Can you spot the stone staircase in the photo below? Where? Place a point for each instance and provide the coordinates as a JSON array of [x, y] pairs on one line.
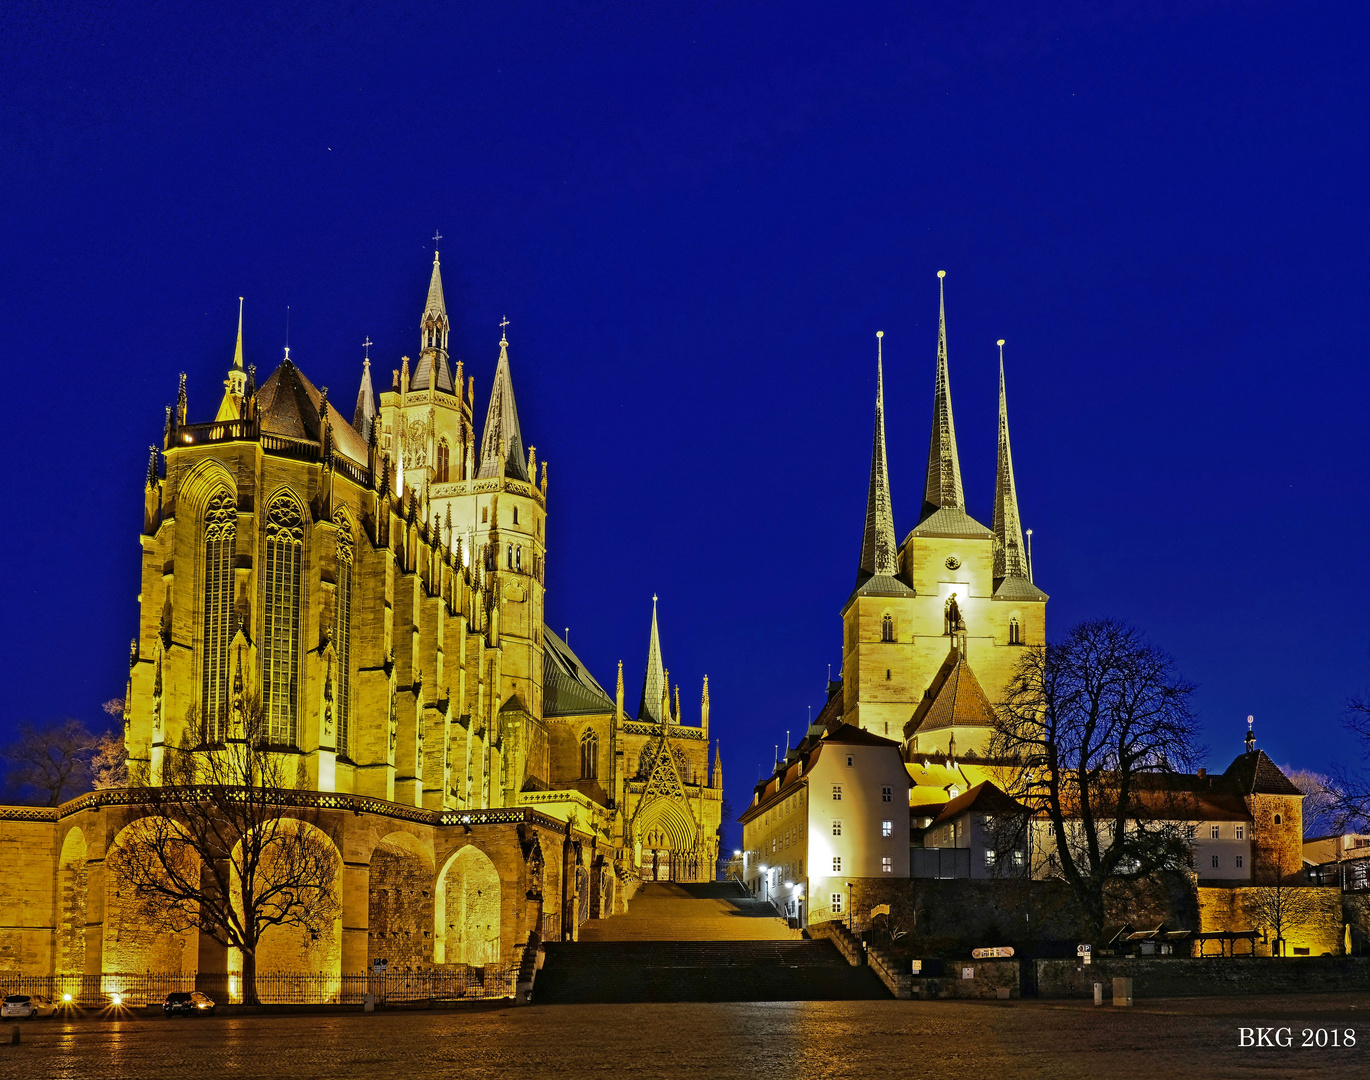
[[708, 942]]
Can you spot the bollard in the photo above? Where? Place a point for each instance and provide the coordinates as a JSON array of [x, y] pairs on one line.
[[14, 1036], [369, 1003], [1098, 993], [1122, 991]]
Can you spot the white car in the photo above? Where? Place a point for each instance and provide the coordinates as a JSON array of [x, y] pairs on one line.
[[26, 1006]]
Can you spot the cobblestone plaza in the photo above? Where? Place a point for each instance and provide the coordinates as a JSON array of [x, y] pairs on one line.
[[1197, 1037]]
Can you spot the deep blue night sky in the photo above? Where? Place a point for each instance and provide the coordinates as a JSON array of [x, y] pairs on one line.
[[695, 223]]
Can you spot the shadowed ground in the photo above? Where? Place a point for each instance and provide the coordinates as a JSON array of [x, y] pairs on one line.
[[1193, 1037]]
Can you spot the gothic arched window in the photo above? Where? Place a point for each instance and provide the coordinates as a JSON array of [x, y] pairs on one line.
[[1014, 634], [511, 556], [443, 458], [281, 619], [518, 558], [589, 755], [342, 633], [221, 535], [887, 627]]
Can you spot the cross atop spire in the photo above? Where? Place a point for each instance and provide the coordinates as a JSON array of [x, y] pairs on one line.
[[366, 357], [879, 554], [943, 488], [437, 237]]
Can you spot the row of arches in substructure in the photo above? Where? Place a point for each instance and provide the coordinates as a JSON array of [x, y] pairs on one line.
[[417, 916]]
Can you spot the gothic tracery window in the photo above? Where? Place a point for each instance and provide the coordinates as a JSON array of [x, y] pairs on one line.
[[1014, 634], [221, 533], [589, 755], [444, 456], [342, 633], [887, 627], [281, 619]]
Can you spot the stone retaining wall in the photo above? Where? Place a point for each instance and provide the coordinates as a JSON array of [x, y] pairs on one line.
[[1178, 977]]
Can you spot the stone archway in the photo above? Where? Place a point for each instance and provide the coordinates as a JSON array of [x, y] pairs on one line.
[[293, 951], [400, 903], [132, 943], [467, 910], [667, 836], [73, 896]]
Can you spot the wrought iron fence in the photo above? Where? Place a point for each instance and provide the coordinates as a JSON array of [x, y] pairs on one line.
[[126, 990]]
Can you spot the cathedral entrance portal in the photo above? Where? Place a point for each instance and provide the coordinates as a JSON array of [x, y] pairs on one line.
[[660, 861]]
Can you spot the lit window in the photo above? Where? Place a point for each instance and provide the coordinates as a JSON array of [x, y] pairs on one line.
[[887, 794], [1215, 862], [989, 858], [1214, 832], [836, 903], [836, 827], [342, 632], [1241, 832], [837, 864], [887, 828], [589, 755], [1018, 858], [837, 793], [1240, 862], [887, 864], [281, 619], [220, 540]]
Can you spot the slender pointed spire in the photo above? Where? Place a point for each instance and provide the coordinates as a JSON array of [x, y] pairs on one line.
[[238, 349], [1009, 559], [879, 553], [365, 411], [654, 685], [435, 304], [502, 439], [718, 765], [943, 490]]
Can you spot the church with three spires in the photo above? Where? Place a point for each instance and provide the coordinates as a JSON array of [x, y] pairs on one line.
[[377, 585], [933, 629]]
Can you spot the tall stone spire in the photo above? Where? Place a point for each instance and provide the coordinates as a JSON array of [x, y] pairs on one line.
[[943, 490], [432, 370], [365, 411], [654, 685], [235, 386], [502, 436], [1008, 527], [879, 553]]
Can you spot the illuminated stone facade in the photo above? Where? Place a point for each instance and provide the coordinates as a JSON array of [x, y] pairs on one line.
[[378, 585], [954, 595]]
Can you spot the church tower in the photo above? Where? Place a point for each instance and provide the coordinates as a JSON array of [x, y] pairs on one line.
[[955, 596]]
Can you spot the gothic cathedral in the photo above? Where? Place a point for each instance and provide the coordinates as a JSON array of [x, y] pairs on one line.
[[368, 598], [932, 630]]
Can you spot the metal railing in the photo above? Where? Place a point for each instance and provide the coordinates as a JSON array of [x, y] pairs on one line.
[[136, 989]]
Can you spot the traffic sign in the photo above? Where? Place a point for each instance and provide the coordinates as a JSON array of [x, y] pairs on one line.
[[990, 954]]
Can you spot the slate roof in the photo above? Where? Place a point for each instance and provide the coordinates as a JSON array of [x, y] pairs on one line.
[[1256, 774], [1021, 589], [568, 688], [288, 405], [953, 522], [957, 699], [423, 372]]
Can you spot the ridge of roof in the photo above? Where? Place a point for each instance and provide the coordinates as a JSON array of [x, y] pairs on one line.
[[956, 700], [1255, 774], [288, 404], [984, 798]]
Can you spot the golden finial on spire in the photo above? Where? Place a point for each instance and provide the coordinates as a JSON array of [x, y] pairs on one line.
[[503, 333]]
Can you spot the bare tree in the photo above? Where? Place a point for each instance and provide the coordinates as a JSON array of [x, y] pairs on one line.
[[1319, 804], [1280, 907], [50, 763], [1348, 791], [227, 847], [109, 762], [1092, 732]]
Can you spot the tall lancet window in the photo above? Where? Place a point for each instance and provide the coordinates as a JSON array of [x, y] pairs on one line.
[[342, 633], [221, 533], [281, 619], [444, 456], [589, 755], [887, 628]]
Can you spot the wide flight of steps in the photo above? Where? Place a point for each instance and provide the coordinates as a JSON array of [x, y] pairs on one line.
[[698, 943]]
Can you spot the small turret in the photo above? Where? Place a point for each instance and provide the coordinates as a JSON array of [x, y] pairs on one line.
[[501, 447], [235, 385]]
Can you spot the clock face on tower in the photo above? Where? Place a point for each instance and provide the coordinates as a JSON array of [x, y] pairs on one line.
[[953, 563]]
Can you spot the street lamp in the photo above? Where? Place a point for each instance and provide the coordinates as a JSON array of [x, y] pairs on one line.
[[849, 929]]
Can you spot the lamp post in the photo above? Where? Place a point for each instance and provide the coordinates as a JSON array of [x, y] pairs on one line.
[[849, 924]]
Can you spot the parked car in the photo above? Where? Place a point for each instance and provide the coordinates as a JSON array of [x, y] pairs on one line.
[[193, 1003], [26, 1006]]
